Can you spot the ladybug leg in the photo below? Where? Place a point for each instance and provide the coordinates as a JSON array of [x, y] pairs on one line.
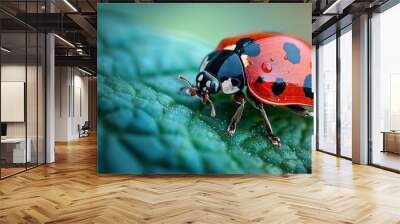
[[267, 125], [239, 99], [274, 139]]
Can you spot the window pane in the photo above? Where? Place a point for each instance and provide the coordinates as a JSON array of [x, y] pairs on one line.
[[346, 94], [385, 84], [327, 96]]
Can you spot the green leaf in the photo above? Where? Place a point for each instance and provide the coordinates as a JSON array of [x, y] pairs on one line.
[[147, 126]]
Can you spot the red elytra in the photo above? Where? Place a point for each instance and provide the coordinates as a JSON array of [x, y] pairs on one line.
[[273, 63]]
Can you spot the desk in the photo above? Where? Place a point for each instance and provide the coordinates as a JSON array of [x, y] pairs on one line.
[[17, 150], [391, 141]]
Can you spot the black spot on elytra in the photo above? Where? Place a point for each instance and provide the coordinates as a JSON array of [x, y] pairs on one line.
[[243, 41], [247, 46], [261, 79], [308, 87], [279, 86], [292, 52]]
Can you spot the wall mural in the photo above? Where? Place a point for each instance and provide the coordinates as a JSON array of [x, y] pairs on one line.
[[204, 88]]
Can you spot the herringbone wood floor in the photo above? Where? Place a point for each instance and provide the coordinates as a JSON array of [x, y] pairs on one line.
[[70, 191]]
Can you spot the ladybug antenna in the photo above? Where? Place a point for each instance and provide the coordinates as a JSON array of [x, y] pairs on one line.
[[211, 104], [190, 87], [183, 78]]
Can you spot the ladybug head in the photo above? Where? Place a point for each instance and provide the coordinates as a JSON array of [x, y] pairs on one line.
[[221, 70], [205, 85]]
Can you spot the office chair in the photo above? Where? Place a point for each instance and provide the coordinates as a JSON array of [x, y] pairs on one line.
[[84, 130]]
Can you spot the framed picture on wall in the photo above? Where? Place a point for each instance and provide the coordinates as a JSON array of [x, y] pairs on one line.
[[12, 101], [204, 88]]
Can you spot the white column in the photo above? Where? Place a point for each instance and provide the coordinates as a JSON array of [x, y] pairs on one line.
[[63, 98], [50, 99], [50, 92], [314, 89], [360, 90]]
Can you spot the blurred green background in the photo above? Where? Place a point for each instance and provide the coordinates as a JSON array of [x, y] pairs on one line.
[[210, 23], [146, 126]]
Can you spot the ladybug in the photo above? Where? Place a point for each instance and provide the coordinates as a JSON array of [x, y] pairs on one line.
[[259, 68]]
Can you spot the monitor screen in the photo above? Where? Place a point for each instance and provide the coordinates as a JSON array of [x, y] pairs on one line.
[[3, 129]]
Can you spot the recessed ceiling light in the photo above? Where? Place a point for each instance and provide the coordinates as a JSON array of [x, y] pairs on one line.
[[5, 50], [326, 11], [84, 71], [70, 5], [64, 40]]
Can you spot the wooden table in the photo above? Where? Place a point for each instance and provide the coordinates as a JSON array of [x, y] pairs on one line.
[[14, 150], [391, 141]]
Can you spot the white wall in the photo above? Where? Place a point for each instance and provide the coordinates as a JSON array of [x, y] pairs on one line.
[[71, 102], [13, 72], [80, 110], [62, 82]]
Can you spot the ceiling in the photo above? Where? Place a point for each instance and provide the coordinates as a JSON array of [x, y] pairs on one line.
[[331, 15], [75, 21]]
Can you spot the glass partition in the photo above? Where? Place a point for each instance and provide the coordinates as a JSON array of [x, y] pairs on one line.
[[31, 99], [41, 109], [13, 109], [22, 77]]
